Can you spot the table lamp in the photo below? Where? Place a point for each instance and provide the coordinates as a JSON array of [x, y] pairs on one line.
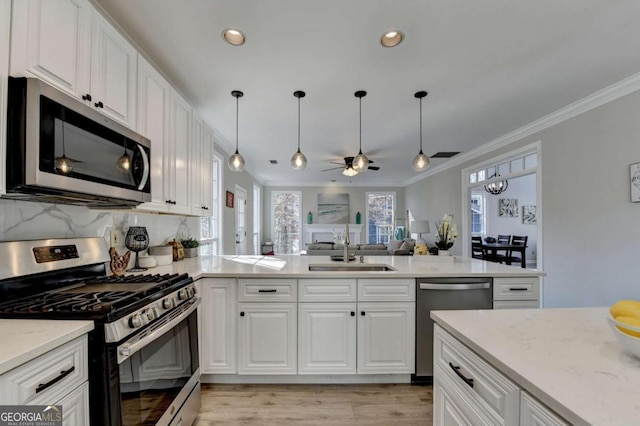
[[420, 227]]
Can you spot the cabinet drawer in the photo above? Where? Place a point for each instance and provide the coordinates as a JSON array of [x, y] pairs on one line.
[[47, 377], [483, 384], [534, 413], [267, 290], [516, 289], [516, 304], [386, 290], [329, 290]]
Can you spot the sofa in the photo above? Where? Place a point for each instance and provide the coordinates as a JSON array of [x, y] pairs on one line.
[[394, 248]]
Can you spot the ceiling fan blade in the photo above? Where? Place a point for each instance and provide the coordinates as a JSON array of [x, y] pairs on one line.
[[333, 168], [374, 168], [335, 162]]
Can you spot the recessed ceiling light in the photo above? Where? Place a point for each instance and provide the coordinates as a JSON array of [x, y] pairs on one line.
[[392, 38], [234, 37]]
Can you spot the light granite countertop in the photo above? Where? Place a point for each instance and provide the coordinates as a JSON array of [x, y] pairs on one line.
[[25, 339], [298, 267], [567, 358]]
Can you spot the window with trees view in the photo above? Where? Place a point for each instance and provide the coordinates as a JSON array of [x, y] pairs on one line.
[[380, 210], [477, 214], [285, 213]]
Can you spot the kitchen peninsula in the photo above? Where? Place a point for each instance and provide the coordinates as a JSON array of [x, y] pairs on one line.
[[546, 366]]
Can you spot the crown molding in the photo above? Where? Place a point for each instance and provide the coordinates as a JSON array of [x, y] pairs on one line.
[[596, 99], [279, 184]]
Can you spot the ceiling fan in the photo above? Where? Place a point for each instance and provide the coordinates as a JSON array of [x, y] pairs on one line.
[[347, 167]]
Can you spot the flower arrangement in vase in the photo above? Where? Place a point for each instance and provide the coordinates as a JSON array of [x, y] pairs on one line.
[[446, 233]]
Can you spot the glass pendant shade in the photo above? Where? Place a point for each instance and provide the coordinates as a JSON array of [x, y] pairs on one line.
[[298, 161], [236, 162], [124, 163], [62, 165], [420, 162], [360, 163]]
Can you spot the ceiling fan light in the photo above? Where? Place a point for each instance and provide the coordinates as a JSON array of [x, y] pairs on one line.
[[349, 171], [421, 162], [298, 161], [236, 162], [360, 163]]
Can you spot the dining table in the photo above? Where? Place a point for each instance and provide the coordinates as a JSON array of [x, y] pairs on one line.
[[492, 252]]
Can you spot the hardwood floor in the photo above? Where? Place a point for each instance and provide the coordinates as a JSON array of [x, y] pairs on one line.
[[330, 405]]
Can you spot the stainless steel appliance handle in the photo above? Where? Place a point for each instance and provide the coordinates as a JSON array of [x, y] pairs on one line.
[[465, 286], [145, 172], [133, 345]]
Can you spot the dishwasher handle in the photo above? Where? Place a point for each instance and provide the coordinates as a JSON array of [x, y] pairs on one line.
[[453, 286]]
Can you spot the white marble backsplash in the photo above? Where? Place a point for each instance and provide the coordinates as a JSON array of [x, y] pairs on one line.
[[21, 220]]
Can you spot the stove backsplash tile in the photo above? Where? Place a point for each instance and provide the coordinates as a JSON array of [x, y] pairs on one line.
[[21, 220]]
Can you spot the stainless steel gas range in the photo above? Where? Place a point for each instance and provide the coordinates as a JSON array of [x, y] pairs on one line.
[[143, 352]]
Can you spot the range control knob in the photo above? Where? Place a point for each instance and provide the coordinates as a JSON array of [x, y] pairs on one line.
[[183, 294], [135, 321], [152, 313], [191, 291], [168, 303]]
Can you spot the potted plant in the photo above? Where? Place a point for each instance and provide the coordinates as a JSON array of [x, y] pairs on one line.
[[190, 247], [445, 235]]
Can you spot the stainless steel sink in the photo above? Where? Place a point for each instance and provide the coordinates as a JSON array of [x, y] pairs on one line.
[[356, 267]]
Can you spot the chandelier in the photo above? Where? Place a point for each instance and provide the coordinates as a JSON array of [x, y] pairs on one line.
[[497, 187]]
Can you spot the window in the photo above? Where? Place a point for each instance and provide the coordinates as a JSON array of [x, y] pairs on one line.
[[380, 211], [285, 213], [477, 214], [210, 226], [257, 217]]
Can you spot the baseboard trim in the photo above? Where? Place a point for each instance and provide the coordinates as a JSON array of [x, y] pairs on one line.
[[307, 379]]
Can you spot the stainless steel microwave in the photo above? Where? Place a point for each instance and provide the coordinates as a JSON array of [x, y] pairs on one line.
[[63, 151]]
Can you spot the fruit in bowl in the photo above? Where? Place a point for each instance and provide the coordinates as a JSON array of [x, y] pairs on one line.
[[625, 323]]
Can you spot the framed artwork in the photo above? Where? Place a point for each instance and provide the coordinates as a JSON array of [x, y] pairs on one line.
[[333, 208], [635, 182], [229, 199], [508, 207], [529, 215]]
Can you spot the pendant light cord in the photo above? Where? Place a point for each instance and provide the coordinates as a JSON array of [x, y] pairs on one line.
[[237, 109], [421, 125], [360, 124], [298, 124]]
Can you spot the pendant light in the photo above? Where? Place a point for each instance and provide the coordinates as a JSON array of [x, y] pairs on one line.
[[496, 187], [62, 164], [124, 161], [236, 162], [420, 161], [298, 160], [360, 162]]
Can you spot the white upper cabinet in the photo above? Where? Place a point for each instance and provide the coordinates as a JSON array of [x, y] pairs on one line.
[[196, 165], [176, 171], [206, 187], [72, 47], [153, 122], [113, 72], [51, 39]]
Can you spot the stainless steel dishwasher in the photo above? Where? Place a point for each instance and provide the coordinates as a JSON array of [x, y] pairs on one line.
[[443, 294]]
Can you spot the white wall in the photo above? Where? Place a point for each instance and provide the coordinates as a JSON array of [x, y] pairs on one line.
[[591, 231], [522, 188]]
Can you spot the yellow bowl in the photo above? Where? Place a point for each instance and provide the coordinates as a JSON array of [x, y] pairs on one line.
[[630, 343]]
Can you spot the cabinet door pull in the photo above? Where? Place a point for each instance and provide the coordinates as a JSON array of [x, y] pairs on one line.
[[353, 314], [86, 97], [99, 104], [63, 374], [361, 313], [241, 314], [271, 290], [459, 374], [518, 289]]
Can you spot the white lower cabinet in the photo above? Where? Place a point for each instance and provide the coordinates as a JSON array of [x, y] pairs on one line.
[[534, 413], [75, 407], [386, 337], [452, 408], [327, 338], [267, 338], [218, 325], [516, 293]]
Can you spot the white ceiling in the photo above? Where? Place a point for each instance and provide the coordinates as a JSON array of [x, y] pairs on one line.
[[490, 67]]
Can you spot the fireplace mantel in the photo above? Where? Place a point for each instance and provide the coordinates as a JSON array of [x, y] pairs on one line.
[[323, 232]]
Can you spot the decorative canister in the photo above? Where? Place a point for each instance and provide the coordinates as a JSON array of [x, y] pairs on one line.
[[358, 218], [310, 218]]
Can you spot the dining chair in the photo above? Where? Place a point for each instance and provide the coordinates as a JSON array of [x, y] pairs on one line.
[[512, 257], [502, 239], [477, 251]]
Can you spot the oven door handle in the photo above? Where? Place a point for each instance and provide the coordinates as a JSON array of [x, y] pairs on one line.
[[133, 345]]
